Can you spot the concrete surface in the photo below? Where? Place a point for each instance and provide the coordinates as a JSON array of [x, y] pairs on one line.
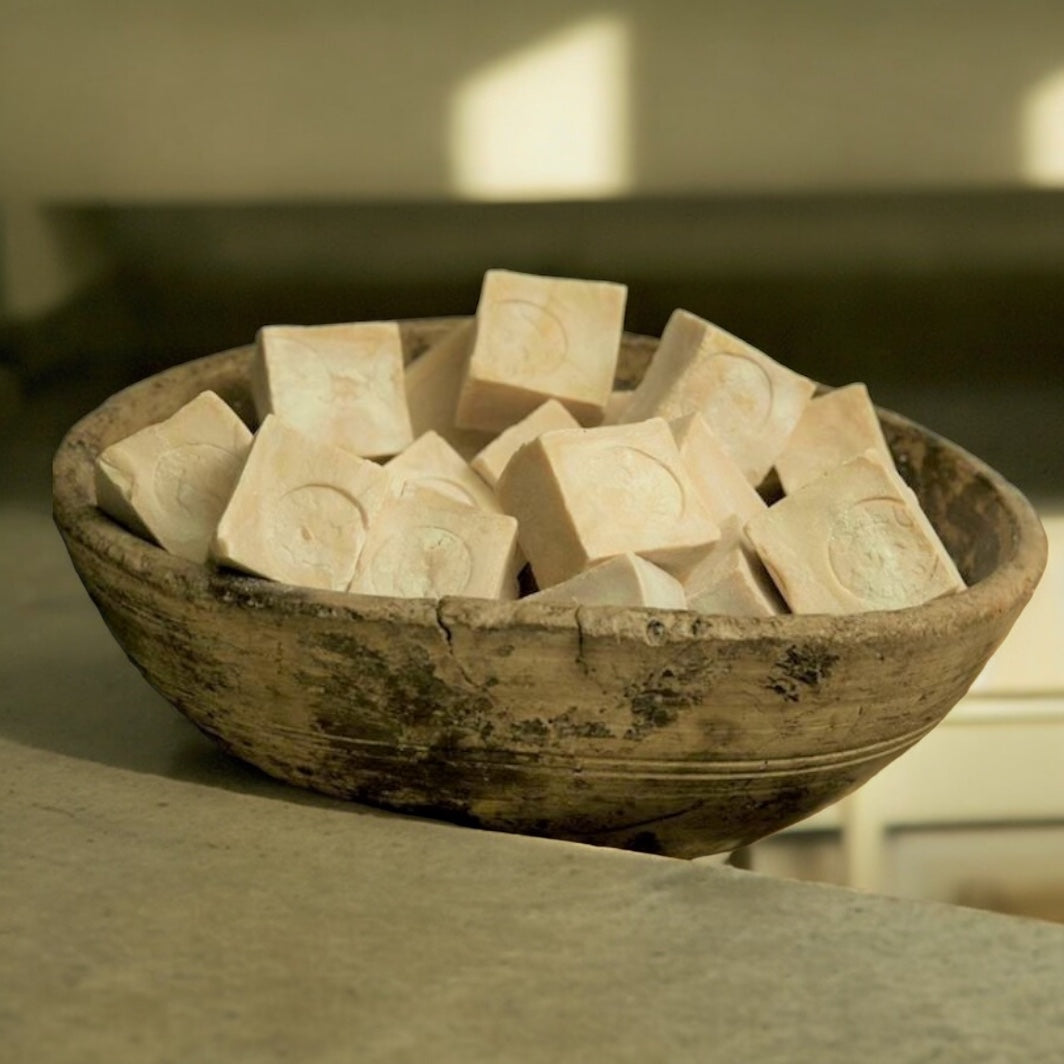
[[160, 902]]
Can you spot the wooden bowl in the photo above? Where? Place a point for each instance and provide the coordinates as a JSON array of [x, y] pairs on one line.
[[658, 730]]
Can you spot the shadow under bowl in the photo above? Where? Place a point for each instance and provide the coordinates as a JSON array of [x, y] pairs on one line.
[[665, 731]]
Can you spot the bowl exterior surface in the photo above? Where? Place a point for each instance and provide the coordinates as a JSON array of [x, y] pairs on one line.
[[657, 730]]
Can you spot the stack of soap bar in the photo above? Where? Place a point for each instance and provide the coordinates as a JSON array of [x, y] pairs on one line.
[[540, 338], [657, 505], [424, 546], [833, 428], [301, 509], [492, 460], [751, 402], [431, 463], [584, 495], [341, 384], [171, 481], [626, 580], [853, 539]]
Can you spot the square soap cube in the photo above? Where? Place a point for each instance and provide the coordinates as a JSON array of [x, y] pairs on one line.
[[750, 401], [430, 463], [433, 381], [854, 539], [425, 546], [340, 384], [725, 491], [301, 509], [540, 338], [732, 580], [584, 495], [833, 428], [492, 460], [171, 481]]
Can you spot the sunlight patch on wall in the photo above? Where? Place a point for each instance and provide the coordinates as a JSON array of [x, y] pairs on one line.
[[550, 121], [1043, 132]]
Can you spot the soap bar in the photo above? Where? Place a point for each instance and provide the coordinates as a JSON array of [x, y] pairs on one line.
[[854, 539], [626, 580], [751, 402], [725, 491], [433, 381], [171, 481], [584, 495], [492, 460], [423, 546], [833, 428], [340, 384], [431, 463], [301, 509], [732, 579], [539, 338]]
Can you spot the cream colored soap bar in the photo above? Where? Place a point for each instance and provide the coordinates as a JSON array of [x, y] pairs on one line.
[[853, 539], [626, 580], [170, 482], [833, 428], [491, 461], [432, 464], [433, 381], [584, 495], [617, 406], [301, 509], [425, 547], [725, 491], [732, 580], [539, 338], [751, 402], [340, 384]]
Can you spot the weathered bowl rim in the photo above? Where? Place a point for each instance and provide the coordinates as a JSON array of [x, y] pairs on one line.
[[79, 520]]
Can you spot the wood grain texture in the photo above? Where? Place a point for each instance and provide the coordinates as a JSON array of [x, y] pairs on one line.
[[659, 730]]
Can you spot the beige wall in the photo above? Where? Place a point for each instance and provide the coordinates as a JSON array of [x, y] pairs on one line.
[[194, 100]]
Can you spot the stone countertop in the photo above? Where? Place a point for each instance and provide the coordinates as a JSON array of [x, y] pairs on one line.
[[160, 901]]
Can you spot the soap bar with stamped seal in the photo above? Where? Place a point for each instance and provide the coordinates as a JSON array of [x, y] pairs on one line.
[[431, 463], [584, 495], [301, 509], [340, 384], [750, 401], [170, 481], [426, 546], [540, 338], [853, 539]]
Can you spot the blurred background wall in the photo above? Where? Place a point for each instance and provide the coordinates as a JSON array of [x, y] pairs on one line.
[[864, 191], [867, 191]]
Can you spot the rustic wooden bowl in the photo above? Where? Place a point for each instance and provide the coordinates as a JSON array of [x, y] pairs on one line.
[[648, 729]]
